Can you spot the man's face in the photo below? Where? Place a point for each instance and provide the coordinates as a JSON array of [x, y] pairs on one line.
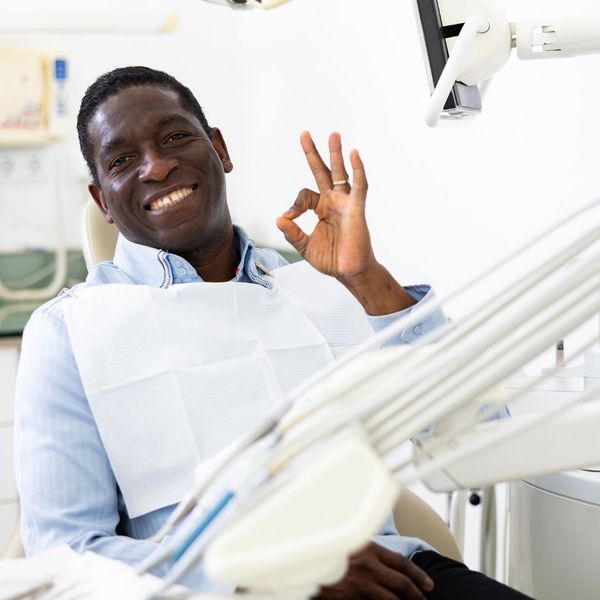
[[161, 179]]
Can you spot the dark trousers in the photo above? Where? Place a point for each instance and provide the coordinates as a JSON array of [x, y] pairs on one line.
[[454, 581]]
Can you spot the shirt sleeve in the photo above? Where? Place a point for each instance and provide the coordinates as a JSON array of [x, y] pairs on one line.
[[422, 294], [389, 538], [67, 488]]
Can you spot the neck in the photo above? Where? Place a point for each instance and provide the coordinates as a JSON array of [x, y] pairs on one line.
[[217, 263]]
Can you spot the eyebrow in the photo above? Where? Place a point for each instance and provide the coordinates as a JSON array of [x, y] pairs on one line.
[[170, 118], [112, 144]]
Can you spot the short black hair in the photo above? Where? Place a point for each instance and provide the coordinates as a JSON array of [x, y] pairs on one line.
[[114, 81]]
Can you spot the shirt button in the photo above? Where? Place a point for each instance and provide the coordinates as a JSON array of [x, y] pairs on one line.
[[417, 329], [181, 271], [178, 263]]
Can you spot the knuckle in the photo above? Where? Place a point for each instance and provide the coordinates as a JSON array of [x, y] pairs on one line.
[[363, 565], [408, 590], [404, 584]]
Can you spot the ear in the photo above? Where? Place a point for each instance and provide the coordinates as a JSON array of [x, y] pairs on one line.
[[98, 196], [219, 145]]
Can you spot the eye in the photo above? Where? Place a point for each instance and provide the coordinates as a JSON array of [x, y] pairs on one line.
[[174, 137], [120, 161]]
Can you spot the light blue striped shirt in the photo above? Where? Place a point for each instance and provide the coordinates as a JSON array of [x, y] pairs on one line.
[[67, 487]]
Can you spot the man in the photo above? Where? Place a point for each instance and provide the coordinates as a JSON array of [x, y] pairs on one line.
[[158, 173]]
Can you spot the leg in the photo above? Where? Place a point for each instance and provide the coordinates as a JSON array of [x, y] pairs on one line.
[[454, 580]]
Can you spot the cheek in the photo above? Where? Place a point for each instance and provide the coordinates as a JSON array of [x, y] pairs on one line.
[[117, 195], [120, 185], [205, 159]]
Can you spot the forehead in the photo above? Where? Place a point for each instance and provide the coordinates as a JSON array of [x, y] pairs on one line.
[[135, 111]]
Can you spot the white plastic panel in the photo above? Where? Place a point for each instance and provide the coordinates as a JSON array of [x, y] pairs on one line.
[[554, 545], [303, 532], [8, 488], [580, 484]]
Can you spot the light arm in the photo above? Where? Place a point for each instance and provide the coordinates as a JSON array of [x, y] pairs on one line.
[[557, 38], [467, 43]]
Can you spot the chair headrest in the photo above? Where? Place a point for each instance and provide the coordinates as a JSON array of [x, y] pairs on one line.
[[98, 237]]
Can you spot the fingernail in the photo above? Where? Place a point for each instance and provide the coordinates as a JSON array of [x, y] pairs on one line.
[[428, 584]]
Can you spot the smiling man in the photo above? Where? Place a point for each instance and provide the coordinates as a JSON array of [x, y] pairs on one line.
[[105, 449]]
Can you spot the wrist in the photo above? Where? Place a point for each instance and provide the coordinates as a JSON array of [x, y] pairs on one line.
[[377, 291]]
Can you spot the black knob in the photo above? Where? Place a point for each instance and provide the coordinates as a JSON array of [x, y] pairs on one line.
[[474, 499]]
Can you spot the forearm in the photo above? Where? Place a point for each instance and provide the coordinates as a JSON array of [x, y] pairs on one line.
[[117, 547], [133, 552]]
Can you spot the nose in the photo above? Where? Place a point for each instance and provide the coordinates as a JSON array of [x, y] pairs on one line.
[[157, 166]]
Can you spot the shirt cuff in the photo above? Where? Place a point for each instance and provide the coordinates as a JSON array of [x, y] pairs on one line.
[[410, 335]]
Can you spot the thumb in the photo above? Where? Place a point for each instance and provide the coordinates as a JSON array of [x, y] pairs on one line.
[[293, 234]]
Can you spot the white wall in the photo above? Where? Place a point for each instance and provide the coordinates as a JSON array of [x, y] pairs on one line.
[[442, 203]]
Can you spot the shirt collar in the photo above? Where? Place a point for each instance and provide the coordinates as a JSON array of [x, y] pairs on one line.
[[158, 268]]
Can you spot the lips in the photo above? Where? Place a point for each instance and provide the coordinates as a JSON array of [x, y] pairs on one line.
[[171, 198]]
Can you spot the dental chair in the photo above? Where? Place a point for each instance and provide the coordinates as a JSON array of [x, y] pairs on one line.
[[412, 516], [98, 238], [13, 547]]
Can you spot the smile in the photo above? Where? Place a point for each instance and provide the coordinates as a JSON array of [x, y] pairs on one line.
[[171, 199]]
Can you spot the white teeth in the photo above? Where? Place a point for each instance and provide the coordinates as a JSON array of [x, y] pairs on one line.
[[172, 198]]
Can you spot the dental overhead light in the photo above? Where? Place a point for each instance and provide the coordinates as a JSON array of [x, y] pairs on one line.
[[466, 42], [246, 4]]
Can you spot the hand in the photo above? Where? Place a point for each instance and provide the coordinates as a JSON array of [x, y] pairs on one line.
[[340, 244], [376, 573]]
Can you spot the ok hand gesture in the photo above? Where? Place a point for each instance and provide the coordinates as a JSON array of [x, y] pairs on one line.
[[340, 244]]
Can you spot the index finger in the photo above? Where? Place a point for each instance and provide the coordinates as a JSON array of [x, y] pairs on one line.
[[400, 563], [319, 169]]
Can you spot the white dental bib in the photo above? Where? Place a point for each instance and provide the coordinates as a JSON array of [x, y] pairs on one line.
[[174, 375]]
